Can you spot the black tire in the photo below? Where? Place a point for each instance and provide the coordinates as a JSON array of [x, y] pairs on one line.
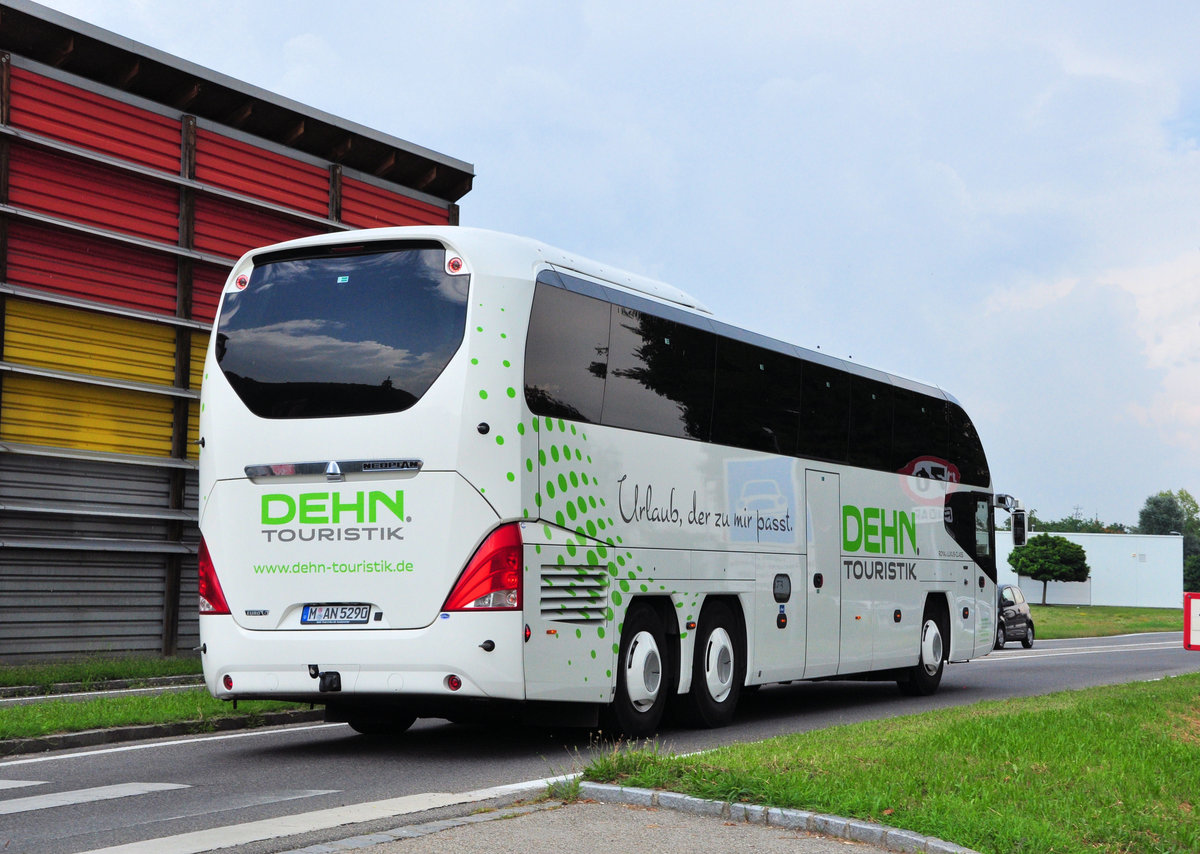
[[1000, 639], [1027, 641], [718, 669], [643, 675], [380, 723], [925, 676]]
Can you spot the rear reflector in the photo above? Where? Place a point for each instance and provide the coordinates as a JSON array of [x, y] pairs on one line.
[[492, 579]]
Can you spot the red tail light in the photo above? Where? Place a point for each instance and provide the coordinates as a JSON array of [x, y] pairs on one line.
[[492, 579], [212, 599]]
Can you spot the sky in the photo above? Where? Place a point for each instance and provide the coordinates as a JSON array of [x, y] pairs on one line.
[[998, 198]]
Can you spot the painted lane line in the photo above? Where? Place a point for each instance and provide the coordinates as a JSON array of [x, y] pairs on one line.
[[257, 831], [17, 784], [1043, 650], [125, 748], [1025, 656], [1125, 647], [206, 806], [83, 796]]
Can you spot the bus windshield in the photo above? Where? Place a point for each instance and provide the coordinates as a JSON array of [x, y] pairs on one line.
[[319, 335]]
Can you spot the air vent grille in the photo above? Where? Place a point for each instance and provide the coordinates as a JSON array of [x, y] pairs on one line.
[[574, 594]]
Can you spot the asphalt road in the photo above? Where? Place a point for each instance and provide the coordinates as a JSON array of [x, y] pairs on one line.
[[89, 799]]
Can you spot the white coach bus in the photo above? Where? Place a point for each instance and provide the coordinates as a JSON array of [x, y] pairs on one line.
[[444, 468]]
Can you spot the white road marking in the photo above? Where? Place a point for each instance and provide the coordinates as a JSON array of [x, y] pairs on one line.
[[290, 825], [17, 784], [1017, 655], [125, 748], [205, 805], [83, 796]]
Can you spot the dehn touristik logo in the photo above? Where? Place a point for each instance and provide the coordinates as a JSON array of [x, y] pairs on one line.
[[878, 531], [371, 516]]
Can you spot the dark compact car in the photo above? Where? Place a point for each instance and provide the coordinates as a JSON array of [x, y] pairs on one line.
[[1015, 622]]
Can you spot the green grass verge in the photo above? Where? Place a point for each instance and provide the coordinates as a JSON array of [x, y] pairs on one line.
[[1077, 621], [1114, 769], [97, 669], [49, 717]]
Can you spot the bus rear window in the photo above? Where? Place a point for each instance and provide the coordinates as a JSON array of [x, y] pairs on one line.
[[329, 333]]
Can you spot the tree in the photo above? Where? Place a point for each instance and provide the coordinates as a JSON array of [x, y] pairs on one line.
[[1176, 513], [1191, 573], [1191, 523], [1048, 558], [1161, 514], [1078, 525], [1074, 524]]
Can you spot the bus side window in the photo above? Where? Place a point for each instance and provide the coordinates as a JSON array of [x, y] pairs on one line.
[[660, 375], [920, 430], [870, 423], [966, 451], [566, 355], [757, 398], [825, 413], [983, 528]]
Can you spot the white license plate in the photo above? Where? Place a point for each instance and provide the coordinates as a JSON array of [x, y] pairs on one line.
[[335, 614]]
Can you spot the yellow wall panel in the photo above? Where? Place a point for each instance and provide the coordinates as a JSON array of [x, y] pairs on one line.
[[85, 342], [193, 450], [60, 414], [199, 351]]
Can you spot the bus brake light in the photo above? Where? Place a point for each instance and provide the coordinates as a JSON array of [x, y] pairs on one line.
[[212, 598], [492, 579]]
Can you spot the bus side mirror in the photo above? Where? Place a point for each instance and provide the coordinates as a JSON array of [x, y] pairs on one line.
[[1018, 527]]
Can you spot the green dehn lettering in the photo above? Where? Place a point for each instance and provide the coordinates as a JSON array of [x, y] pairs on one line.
[[876, 530], [330, 508]]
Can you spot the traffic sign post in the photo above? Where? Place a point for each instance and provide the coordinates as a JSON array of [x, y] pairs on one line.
[[1191, 621]]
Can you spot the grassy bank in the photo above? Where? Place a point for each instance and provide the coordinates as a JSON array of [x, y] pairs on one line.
[[49, 717], [1114, 769], [1074, 621], [96, 670]]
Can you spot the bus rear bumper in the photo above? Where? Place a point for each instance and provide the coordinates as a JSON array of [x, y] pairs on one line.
[[459, 655]]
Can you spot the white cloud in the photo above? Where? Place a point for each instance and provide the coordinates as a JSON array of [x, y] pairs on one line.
[[1167, 296], [1001, 198], [1030, 297]]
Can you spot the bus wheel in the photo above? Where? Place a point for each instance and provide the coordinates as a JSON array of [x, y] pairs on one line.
[[718, 669], [380, 723], [642, 674], [925, 676]]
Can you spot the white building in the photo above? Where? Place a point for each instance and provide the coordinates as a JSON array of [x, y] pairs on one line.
[[1140, 570]]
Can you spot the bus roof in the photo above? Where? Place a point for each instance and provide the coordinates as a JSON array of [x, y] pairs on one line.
[[510, 255]]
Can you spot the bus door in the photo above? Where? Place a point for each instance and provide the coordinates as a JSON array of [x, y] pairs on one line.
[[971, 521], [822, 504]]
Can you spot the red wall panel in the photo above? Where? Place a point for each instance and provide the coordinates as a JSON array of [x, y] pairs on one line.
[[46, 106], [89, 268], [253, 171], [367, 206], [87, 192], [207, 282], [230, 229]]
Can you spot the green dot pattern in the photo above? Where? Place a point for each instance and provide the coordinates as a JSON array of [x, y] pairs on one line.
[[561, 489]]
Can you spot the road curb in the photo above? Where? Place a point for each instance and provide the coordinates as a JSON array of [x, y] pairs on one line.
[[118, 735], [38, 691], [502, 810], [855, 830]]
